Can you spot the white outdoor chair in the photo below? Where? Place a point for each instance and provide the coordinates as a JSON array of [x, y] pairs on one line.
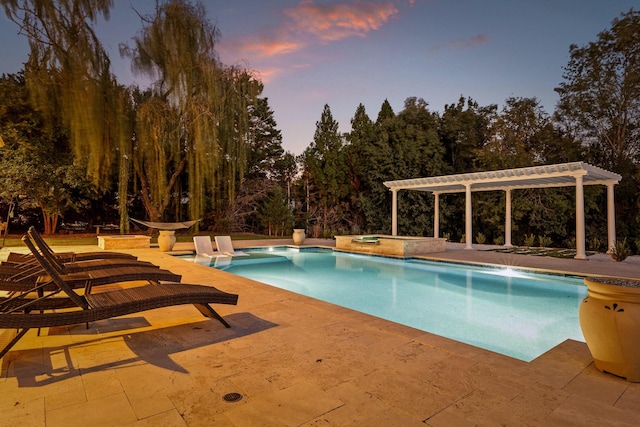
[[225, 246]]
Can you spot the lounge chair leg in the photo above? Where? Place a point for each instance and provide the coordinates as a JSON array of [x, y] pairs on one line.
[[207, 311], [11, 343]]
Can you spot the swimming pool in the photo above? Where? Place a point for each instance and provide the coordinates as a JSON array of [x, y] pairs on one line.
[[512, 312]]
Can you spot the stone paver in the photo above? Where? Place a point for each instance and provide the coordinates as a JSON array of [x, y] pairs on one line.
[[297, 361]]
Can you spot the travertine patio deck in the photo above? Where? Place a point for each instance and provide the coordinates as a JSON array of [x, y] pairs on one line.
[[300, 362]]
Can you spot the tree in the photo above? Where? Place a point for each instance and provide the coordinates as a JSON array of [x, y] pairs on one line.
[[196, 118], [513, 139], [463, 129], [265, 141], [600, 95], [275, 214], [284, 173], [417, 152], [35, 165], [324, 164], [600, 107], [68, 76], [397, 147], [265, 173], [378, 156], [361, 136]]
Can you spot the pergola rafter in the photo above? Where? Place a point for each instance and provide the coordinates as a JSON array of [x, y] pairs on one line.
[[574, 174]]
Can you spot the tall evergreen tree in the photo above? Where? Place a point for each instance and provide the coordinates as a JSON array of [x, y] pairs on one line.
[[265, 141], [418, 152], [378, 159], [463, 130], [324, 163], [359, 139]]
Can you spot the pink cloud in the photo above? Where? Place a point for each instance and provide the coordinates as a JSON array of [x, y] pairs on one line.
[[471, 42], [261, 46], [306, 24], [269, 73], [331, 22]]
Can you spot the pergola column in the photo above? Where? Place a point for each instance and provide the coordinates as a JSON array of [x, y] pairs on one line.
[[507, 218], [580, 233], [394, 212], [611, 218], [468, 217], [436, 214]]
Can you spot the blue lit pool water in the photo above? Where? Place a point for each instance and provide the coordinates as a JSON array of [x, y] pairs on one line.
[[510, 312]]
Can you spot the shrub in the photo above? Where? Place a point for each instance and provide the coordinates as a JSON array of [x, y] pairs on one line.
[[544, 241], [447, 236], [594, 244], [498, 240], [620, 250], [571, 243], [463, 239], [529, 240], [480, 238]]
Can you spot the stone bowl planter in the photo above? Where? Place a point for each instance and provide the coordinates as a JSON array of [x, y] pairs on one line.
[[610, 322]]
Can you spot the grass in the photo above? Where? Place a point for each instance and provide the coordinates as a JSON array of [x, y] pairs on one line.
[[90, 239], [552, 252]]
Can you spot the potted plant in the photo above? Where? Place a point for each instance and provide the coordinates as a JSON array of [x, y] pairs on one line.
[[610, 322]]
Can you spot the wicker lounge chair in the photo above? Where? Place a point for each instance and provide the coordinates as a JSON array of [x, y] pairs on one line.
[[15, 257], [8, 269], [28, 279], [103, 305], [82, 265]]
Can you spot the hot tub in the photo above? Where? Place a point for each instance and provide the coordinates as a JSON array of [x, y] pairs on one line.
[[403, 246]]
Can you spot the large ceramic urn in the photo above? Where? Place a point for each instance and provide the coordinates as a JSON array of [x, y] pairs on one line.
[[610, 322], [298, 236], [166, 240]]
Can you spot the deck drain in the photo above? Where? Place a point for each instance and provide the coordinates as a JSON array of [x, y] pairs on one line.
[[232, 397]]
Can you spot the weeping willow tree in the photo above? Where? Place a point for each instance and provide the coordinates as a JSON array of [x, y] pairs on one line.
[[193, 120], [68, 77]]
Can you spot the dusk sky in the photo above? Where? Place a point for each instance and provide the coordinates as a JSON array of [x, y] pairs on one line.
[[310, 53]]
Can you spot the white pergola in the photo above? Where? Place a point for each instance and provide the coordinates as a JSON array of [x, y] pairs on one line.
[[576, 174]]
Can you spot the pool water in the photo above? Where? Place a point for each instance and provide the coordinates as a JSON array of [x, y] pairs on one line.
[[511, 312]]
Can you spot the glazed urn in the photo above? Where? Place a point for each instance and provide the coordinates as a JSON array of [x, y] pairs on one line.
[[610, 322]]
